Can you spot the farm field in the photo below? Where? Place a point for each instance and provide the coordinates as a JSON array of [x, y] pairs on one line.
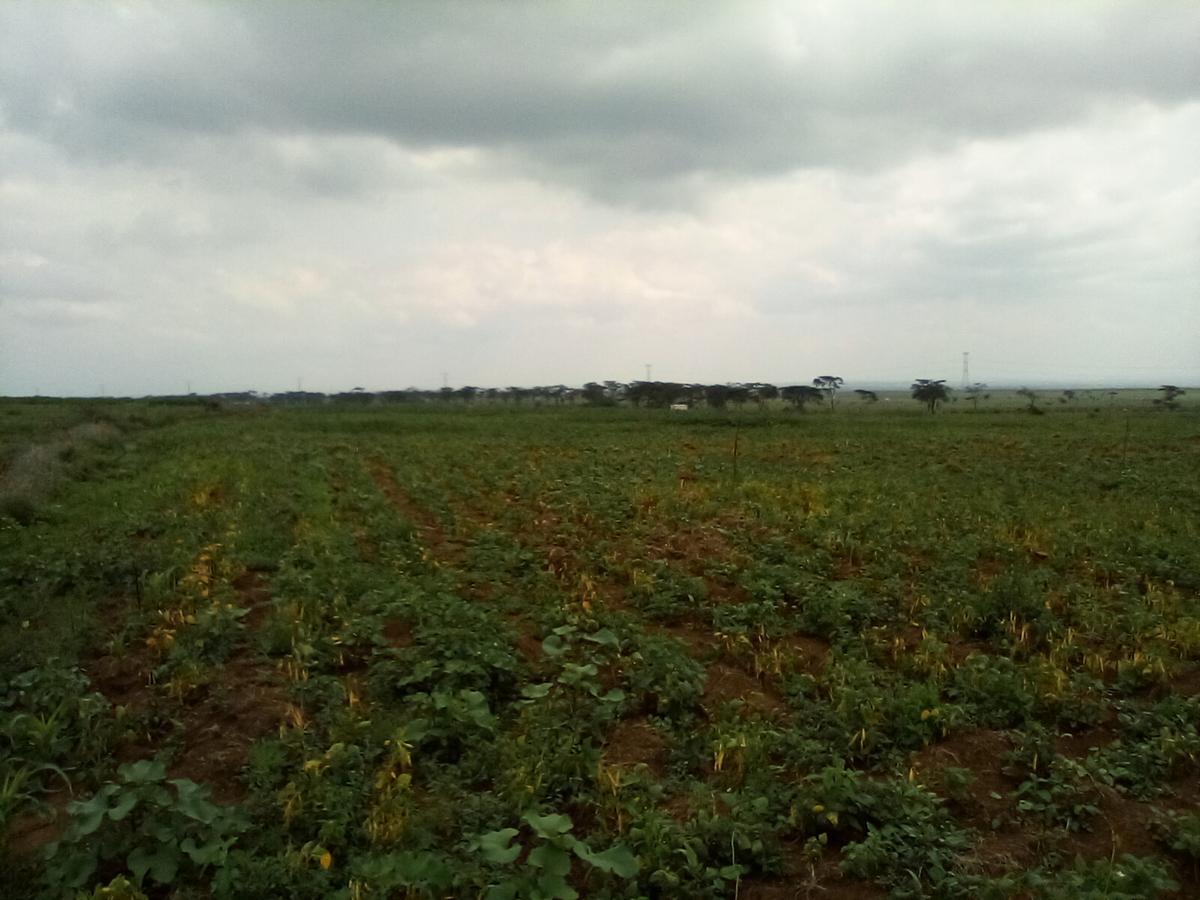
[[423, 652]]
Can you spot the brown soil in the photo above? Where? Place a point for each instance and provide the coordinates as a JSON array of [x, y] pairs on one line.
[[846, 568], [985, 569], [727, 683], [398, 633], [678, 808], [1187, 683], [254, 594], [805, 880], [961, 650], [635, 742], [1079, 744], [980, 751], [528, 644], [1121, 826], [700, 641], [124, 681], [810, 654], [30, 832], [246, 703], [696, 547], [723, 591]]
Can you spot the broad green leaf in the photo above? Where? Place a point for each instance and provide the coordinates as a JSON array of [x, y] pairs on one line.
[[536, 691], [88, 814], [495, 846], [124, 805], [555, 887], [554, 645], [416, 730], [605, 637], [550, 858], [211, 853], [193, 801], [78, 868], [143, 771], [548, 826], [617, 859], [162, 863], [138, 862]]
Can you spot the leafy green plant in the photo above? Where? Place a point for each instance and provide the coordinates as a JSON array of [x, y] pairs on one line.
[[1124, 878], [994, 691], [1156, 742], [433, 874], [957, 782], [662, 679], [1060, 798], [541, 874], [50, 724], [1180, 832], [142, 825], [666, 595]]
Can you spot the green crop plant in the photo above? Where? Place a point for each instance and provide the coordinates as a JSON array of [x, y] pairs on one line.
[[455, 614], [541, 873], [147, 825], [1061, 797]]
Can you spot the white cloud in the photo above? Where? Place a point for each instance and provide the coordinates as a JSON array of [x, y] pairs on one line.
[[192, 191]]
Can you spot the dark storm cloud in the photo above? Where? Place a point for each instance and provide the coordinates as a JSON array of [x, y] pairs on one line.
[[613, 99]]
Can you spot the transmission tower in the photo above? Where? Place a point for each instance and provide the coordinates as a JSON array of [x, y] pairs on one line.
[[966, 378]]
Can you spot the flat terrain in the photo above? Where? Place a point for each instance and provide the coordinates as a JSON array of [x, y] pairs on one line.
[[514, 652]]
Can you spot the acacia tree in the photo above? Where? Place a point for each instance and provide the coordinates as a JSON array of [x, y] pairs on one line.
[[867, 396], [800, 394], [1031, 398], [973, 392], [1169, 394], [760, 392], [930, 392], [828, 385], [716, 395]]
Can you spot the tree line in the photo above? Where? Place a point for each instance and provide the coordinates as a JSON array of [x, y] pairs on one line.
[[822, 391]]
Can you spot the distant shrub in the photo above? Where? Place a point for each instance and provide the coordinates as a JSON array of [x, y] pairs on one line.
[[35, 472]]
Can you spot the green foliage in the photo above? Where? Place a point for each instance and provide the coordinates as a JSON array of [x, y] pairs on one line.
[[1156, 743], [994, 691], [50, 725], [459, 616], [664, 594], [1180, 832], [662, 679], [140, 824], [419, 873], [1060, 798], [1124, 878], [543, 873]]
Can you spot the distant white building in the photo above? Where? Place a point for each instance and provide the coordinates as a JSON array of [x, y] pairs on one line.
[[680, 406]]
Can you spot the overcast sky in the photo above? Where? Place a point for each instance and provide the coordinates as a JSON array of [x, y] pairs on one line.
[[237, 196]]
